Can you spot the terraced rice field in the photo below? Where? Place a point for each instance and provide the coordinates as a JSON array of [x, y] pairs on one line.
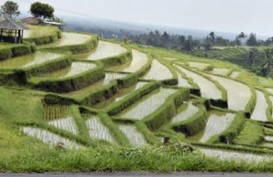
[[29, 60], [199, 66], [76, 68], [268, 138], [271, 100], [186, 113], [182, 82], [235, 74], [220, 71], [158, 72], [207, 87], [105, 50], [135, 138], [259, 112], [86, 90], [138, 86], [67, 124], [270, 145], [139, 59], [50, 138], [148, 105], [270, 90], [234, 156], [69, 38], [216, 124], [126, 106], [99, 131], [238, 94]]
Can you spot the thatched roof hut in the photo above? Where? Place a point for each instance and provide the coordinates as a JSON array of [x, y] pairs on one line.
[[11, 31]]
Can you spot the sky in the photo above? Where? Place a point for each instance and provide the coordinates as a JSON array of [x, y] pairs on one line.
[[216, 15]]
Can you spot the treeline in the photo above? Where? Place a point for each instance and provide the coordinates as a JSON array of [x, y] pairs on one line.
[[188, 43]]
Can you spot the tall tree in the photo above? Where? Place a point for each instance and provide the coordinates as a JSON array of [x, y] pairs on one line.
[[189, 44], [207, 44], [242, 35], [252, 40], [38, 9], [10, 9], [212, 37]]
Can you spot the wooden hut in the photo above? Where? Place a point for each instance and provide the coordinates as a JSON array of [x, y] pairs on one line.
[[11, 32]]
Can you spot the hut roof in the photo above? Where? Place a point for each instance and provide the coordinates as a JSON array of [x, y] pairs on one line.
[[12, 25]]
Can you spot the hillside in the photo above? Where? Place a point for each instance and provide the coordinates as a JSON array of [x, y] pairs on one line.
[[74, 102]]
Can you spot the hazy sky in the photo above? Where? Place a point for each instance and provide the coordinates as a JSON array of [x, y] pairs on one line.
[[218, 15]]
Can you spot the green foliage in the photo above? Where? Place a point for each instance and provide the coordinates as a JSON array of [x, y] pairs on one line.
[[51, 34], [9, 50], [80, 122], [252, 41], [9, 9], [44, 10], [156, 159], [251, 134], [148, 135]]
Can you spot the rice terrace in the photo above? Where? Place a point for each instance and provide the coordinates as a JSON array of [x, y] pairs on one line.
[[73, 101]]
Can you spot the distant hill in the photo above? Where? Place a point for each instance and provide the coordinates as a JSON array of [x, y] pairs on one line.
[[108, 27]]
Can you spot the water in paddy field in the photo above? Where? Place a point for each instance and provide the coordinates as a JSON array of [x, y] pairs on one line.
[[147, 105], [98, 131], [135, 138], [208, 88], [66, 123], [259, 112], [238, 93], [217, 123], [182, 82], [104, 50], [50, 138], [69, 39], [158, 71], [139, 60], [76, 68], [29, 60], [188, 111]]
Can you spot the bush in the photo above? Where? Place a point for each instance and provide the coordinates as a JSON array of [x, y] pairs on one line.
[[16, 50]]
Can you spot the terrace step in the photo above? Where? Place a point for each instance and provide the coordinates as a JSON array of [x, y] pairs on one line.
[[75, 77]]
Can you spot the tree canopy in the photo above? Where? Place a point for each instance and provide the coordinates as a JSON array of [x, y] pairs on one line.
[[43, 10], [9, 9]]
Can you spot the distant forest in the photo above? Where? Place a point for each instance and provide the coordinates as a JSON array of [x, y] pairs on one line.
[[188, 43]]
